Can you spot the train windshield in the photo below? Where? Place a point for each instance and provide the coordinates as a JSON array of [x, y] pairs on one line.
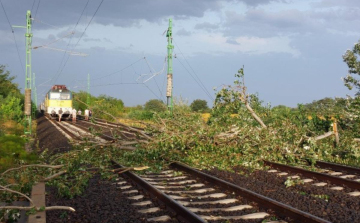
[[60, 96]]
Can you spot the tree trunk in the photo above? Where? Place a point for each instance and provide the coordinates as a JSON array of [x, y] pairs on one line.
[[254, 115]]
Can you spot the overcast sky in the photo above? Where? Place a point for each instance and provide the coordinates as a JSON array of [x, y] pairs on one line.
[[291, 49]]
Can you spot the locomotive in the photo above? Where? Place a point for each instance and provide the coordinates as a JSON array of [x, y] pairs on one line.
[[57, 97]]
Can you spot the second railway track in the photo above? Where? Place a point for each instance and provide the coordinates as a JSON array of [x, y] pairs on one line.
[[198, 197]]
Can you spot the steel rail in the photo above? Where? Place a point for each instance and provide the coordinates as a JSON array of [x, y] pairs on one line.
[[75, 137], [119, 124], [281, 210], [168, 201], [337, 167], [101, 135], [319, 176]]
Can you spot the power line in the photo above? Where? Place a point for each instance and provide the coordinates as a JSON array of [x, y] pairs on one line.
[[198, 81], [62, 59], [33, 5], [81, 36], [118, 70], [37, 9], [12, 30], [121, 83], [161, 95]]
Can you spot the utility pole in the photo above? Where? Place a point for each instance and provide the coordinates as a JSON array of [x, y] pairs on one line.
[[27, 109], [169, 87]]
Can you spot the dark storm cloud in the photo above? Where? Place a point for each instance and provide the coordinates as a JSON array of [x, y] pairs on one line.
[[124, 13], [261, 23], [117, 12], [259, 2], [337, 3]]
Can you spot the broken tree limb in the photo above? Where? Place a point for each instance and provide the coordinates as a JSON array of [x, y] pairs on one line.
[[254, 115], [39, 208], [336, 133], [2, 188], [53, 176], [34, 165], [324, 136]]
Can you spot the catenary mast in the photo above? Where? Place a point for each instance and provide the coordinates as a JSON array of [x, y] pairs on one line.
[[28, 74], [169, 88]]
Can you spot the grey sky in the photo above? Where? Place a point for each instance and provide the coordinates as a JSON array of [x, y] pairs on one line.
[[291, 49]]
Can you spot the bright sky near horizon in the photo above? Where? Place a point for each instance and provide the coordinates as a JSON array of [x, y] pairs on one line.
[[291, 49]]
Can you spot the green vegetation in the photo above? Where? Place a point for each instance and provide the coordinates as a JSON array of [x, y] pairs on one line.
[[241, 131], [351, 59], [199, 105], [103, 106], [12, 145]]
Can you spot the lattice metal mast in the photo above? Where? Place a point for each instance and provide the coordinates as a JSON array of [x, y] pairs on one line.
[[28, 74], [170, 48]]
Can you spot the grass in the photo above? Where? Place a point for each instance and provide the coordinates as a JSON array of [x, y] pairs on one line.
[[12, 146]]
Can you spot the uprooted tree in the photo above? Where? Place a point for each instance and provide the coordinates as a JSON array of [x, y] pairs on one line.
[[237, 95]]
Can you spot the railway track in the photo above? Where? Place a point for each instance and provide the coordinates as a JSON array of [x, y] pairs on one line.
[[100, 133], [327, 177], [198, 197], [230, 204]]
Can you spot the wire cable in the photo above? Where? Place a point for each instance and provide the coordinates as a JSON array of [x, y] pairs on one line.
[[206, 92], [12, 30], [118, 70], [33, 5], [161, 95], [80, 37], [63, 57], [198, 81], [37, 9]]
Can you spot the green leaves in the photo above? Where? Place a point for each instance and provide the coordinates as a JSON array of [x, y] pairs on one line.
[[351, 59]]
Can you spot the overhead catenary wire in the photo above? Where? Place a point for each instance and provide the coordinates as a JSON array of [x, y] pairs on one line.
[[161, 95], [12, 30], [197, 79], [33, 5], [112, 73], [37, 8], [63, 57], [81, 37], [40, 21], [36, 47]]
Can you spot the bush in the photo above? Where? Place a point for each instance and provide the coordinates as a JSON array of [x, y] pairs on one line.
[[155, 105], [199, 105], [141, 115], [12, 152]]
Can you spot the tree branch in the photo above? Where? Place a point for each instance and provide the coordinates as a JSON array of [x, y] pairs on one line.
[[17, 192], [34, 165], [53, 176]]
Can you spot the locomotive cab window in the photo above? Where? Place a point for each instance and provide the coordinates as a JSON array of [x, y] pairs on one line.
[[60, 96]]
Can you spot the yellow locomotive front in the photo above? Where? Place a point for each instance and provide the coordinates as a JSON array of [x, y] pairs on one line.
[[58, 97]]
